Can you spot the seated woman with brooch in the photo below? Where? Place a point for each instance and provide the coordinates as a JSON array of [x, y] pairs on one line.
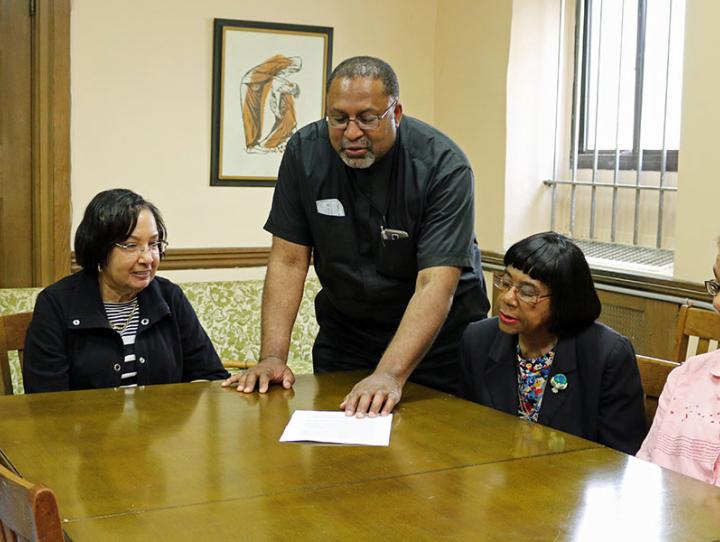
[[115, 323], [545, 358]]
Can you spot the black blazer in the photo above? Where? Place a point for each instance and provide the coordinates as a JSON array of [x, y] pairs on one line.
[[603, 400], [71, 346]]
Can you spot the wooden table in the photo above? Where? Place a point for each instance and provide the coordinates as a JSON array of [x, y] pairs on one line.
[[198, 462]]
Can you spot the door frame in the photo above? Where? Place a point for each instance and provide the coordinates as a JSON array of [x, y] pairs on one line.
[[51, 205]]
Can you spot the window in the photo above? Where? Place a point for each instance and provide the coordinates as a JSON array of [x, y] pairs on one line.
[[630, 81], [614, 178]]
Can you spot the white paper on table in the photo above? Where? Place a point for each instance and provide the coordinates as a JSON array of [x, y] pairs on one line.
[[336, 427]]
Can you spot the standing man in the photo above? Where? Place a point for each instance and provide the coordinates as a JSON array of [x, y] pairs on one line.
[[384, 204]]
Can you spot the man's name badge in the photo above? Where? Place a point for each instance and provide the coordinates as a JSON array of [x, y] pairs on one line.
[[330, 207]]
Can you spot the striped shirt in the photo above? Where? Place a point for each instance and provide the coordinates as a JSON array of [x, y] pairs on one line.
[[124, 318]]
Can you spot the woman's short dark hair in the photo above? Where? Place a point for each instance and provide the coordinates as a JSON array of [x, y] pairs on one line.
[[557, 262], [110, 218]]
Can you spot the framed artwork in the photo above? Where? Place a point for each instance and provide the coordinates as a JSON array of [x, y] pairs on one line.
[[268, 81]]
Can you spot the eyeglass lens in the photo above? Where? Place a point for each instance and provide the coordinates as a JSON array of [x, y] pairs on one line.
[[712, 287]]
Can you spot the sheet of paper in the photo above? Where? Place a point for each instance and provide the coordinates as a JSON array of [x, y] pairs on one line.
[[336, 427]]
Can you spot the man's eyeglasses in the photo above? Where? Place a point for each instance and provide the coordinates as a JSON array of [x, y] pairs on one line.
[[525, 292], [712, 287], [366, 121], [134, 249]]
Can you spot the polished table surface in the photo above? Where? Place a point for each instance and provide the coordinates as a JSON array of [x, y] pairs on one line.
[[199, 462]]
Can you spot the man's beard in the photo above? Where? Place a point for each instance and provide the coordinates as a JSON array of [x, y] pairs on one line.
[[357, 163]]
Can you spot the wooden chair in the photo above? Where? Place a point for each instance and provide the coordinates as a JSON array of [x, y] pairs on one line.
[[13, 328], [695, 322], [27, 511], [653, 374]]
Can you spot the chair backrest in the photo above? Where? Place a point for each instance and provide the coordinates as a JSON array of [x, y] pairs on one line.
[[695, 322], [653, 374], [27, 511], [13, 328]]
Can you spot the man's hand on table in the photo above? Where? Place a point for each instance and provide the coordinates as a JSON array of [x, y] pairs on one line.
[[376, 394], [271, 370]]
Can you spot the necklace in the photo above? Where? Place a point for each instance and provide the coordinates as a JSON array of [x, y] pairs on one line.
[[120, 327]]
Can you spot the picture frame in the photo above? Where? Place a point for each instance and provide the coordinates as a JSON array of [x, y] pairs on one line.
[[268, 81]]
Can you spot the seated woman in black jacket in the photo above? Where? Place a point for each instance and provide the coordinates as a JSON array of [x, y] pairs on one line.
[[115, 323], [545, 359]]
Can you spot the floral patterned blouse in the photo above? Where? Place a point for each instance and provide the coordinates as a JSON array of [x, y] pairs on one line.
[[532, 375]]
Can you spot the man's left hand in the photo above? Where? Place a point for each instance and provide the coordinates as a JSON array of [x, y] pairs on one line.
[[376, 394]]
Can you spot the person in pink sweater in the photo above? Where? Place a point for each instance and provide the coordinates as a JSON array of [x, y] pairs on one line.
[[685, 434]]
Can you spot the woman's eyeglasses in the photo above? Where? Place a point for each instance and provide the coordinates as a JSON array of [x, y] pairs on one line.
[[134, 249], [525, 292], [712, 287]]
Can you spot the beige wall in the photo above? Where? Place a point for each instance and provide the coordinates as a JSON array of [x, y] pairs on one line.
[[531, 111], [474, 40], [141, 97], [698, 219], [472, 44], [142, 91]]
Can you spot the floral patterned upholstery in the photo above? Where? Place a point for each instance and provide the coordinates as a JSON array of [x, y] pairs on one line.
[[13, 300], [229, 312]]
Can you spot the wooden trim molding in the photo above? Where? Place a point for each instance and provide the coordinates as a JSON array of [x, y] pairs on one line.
[[51, 140], [209, 258], [215, 258], [492, 259], [229, 257], [670, 287], [16, 191]]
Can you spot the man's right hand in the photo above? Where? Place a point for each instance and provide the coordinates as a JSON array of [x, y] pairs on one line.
[[271, 370]]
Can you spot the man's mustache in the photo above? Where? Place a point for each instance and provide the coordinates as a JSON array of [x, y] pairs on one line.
[[363, 143]]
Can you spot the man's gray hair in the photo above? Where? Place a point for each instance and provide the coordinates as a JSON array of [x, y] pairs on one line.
[[367, 66]]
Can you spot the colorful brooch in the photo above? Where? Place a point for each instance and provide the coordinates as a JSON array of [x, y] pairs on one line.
[[558, 382]]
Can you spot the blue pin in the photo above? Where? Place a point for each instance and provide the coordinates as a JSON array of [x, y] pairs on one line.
[[558, 382]]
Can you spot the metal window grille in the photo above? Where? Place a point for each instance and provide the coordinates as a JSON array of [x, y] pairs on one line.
[[623, 138]]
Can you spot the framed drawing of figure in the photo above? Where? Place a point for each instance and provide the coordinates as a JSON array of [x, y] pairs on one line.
[[268, 81]]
